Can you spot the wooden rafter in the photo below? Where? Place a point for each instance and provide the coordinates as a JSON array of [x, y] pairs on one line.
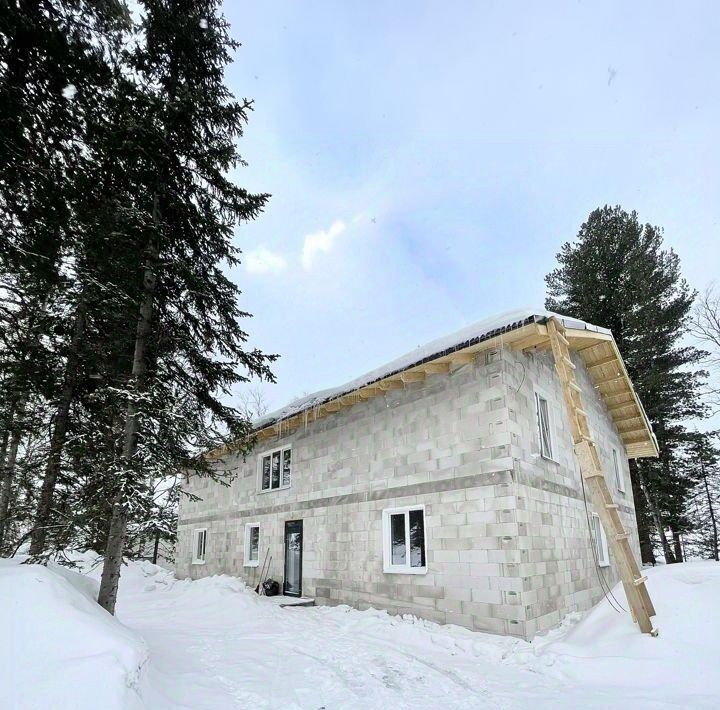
[[413, 376], [436, 368]]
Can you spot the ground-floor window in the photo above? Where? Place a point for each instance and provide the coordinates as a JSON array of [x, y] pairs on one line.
[[252, 545], [199, 545], [404, 540], [599, 541]]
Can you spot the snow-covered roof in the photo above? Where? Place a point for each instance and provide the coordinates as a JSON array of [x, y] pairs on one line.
[[461, 339]]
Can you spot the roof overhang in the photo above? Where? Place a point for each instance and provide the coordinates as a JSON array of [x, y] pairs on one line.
[[596, 346]]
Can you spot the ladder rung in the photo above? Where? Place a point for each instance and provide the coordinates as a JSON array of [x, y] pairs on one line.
[[612, 506], [569, 362], [621, 536], [585, 437], [574, 386], [562, 338], [596, 474], [640, 580], [581, 412]]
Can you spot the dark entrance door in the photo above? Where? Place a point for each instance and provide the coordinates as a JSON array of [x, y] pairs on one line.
[[293, 558]]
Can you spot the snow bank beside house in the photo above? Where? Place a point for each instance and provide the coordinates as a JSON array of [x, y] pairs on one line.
[[59, 649], [605, 653], [215, 645]]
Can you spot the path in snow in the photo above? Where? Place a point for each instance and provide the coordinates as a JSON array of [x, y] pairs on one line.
[[213, 644]]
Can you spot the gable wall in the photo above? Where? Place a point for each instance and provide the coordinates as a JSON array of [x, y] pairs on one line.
[[557, 570]]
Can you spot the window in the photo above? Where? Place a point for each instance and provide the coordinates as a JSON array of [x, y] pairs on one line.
[[275, 469], [199, 544], [404, 540], [599, 541], [252, 545], [619, 479], [544, 430]]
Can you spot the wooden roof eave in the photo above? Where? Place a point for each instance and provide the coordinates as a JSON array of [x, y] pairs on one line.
[[442, 364], [612, 381], [532, 336], [623, 403]]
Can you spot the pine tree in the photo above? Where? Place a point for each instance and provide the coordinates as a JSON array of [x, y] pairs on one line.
[[617, 275]]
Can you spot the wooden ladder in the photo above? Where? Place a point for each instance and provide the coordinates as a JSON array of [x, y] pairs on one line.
[[599, 493]]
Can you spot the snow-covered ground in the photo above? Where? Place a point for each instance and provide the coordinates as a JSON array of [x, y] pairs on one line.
[[213, 644]]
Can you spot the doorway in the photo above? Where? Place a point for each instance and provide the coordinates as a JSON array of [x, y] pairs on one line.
[[292, 586]]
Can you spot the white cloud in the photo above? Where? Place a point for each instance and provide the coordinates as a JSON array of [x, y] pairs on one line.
[[264, 261], [321, 241]]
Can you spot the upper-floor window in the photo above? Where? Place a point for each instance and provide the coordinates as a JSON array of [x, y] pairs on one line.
[[404, 540], [199, 545], [544, 430], [599, 541], [275, 469], [619, 478]]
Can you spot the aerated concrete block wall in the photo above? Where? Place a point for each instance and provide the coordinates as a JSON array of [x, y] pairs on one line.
[[555, 565], [506, 551]]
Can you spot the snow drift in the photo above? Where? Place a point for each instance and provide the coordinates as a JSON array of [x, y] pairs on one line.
[[215, 645], [59, 649]]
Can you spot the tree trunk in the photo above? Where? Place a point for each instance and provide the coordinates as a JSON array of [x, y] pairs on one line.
[[655, 510], [119, 519], [642, 514], [677, 544], [156, 547], [59, 434], [712, 512], [8, 469]]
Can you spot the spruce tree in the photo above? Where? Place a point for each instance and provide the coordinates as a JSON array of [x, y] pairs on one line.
[[55, 61], [189, 347], [617, 275]]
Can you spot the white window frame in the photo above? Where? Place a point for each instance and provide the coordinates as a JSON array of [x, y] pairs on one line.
[[550, 456], [264, 455], [602, 553], [388, 566], [619, 473], [247, 562], [196, 560]]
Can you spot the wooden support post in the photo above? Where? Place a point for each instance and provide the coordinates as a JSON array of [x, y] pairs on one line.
[[591, 471]]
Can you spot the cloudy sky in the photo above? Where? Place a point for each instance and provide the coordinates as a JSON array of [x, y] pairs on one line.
[[426, 160]]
